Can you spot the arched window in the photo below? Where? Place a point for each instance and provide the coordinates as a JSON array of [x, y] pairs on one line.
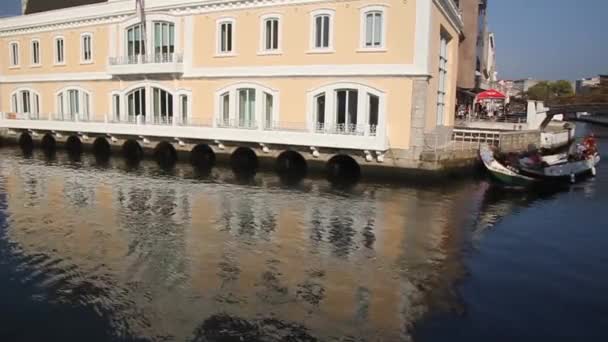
[[162, 106], [347, 108], [270, 34], [249, 106], [164, 41], [135, 38], [14, 54], [225, 36], [322, 30], [26, 101], [373, 27], [136, 104], [73, 104]]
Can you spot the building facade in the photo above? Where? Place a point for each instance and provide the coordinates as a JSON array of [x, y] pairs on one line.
[[477, 70], [350, 75]]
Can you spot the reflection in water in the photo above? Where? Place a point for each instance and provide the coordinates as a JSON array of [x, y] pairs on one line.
[[171, 256]]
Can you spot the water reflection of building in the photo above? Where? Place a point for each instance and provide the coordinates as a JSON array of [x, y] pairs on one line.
[[168, 253]]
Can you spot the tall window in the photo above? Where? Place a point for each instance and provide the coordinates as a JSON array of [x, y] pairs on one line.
[[373, 107], [249, 106], [164, 41], [135, 43], [86, 48], [346, 111], [74, 105], [319, 104], [225, 109], [271, 34], [162, 106], [183, 109], [347, 108], [225, 37], [59, 51], [322, 30], [35, 52], [443, 77], [136, 104], [116, 107], [26, 102], [246, 107], [373, 29], [14, 54], [268, 110]]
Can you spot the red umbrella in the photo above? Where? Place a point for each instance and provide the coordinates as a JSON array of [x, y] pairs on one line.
[[491, 94]]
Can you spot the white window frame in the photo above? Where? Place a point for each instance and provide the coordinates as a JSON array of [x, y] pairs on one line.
[[332, 23], [218, 37], [18, 105], [442, 78], [363, 28], [331, 107], [262, 49], [56, 60], [178, 95], [32, 61], [148, 105], [83, 59], [149, 39], [81, 103], [232, 91], [115, 116], [14, 52]]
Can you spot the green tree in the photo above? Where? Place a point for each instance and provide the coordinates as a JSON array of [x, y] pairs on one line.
[[547, 91], [540, 91], [562, 88]]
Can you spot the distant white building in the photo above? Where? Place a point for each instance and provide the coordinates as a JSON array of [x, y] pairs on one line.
[[583, 86]]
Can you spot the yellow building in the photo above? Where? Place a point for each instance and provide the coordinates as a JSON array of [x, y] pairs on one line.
[[366, 77]]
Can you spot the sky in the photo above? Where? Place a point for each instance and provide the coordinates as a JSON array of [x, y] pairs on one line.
[[541, 39]]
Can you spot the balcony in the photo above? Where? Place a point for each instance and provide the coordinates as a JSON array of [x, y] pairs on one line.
[[164, 63]]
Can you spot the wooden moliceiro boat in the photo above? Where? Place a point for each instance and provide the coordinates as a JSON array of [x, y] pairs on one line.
[[516, 171]]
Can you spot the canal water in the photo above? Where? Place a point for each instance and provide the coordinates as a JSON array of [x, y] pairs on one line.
[[111, 252]]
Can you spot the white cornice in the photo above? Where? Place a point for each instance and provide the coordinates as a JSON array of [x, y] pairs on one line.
[[116, 11], [329, 70], [75, 76], [320, 70], [451, 11]]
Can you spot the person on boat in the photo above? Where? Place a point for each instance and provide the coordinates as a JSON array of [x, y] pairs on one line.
[[590, 145]]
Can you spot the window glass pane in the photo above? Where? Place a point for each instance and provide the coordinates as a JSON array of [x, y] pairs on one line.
[[369, 29], [60, 104], [341, 108], [268, 106], [352, 106], [268, 28], [184, 108], [229, 37], [373, 110], [326, 29], [36, 105], [25, 101], [85, 106], [171, 38], [318, 30], [226, 108], [377, 29], [320, 109], [275, 34], [14, 104]]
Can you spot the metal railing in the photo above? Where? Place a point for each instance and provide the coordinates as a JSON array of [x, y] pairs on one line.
[[346, 129], [157, 58], [319, 128], [237, 123]]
